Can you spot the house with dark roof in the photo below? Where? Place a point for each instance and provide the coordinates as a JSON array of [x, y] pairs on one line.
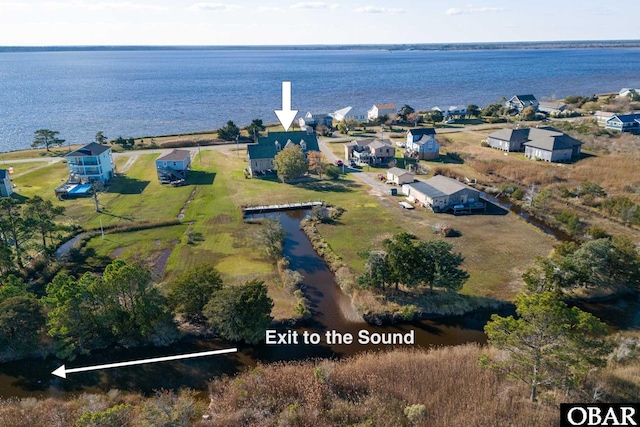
[[545, 143], [508, 139], [552, 108], [370, 151], [173, 166], [442, 194], [6, 188], [421, 143], [90, 163], [520, 102], [551, 145], [261, 154], [624, 123], [379, 110]]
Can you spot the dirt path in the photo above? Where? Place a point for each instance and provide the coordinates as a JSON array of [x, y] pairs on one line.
[[44, 165], [129, 163]]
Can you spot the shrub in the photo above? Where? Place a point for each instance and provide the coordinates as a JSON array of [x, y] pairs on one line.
[[518, 194], [596, 232], [416, 413], [570, 219]]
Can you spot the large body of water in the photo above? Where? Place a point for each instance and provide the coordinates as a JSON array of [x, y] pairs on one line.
[[141, 93]]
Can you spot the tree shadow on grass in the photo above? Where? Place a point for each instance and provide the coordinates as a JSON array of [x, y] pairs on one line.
[[19, 197], [339, 186], [122, 184], [200, 178]]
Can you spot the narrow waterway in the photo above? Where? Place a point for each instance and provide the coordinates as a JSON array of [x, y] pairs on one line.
[[331, 310]]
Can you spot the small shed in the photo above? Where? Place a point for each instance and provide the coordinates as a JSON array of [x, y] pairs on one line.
[[399, 176]]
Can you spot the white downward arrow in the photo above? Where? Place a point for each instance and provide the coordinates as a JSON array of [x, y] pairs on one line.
[[286, 115], [62, 371]]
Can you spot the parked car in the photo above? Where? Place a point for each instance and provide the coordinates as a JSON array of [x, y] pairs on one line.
[[339, 162], [352, 163]]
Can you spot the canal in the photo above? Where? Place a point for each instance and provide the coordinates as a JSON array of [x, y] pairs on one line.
[[331, 311]]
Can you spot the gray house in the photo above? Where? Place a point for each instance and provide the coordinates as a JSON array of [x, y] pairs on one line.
[[551, 145], [520, 102], [421, 143], [624, 123], [262, 154], [399, 176], [6, 188], [442, 194], [173, 166], [545, 143], [508, 139]]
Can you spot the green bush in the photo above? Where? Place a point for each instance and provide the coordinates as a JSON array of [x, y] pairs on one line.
[[416, 413]]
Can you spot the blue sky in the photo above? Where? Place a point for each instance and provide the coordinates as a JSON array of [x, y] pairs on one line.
[[249, 22]]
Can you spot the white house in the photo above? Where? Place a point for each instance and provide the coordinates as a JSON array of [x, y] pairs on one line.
[[6, 188], [90, 163], [421, 143], [348, 113], [173, 166], [628, 92], [312, 120], [379, 110]]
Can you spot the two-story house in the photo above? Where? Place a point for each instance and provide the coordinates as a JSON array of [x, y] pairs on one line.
[[90, 163], [624, 123], [6, 188], [262, 154], [370, 151], [421, 143], [520, 102], [173, 166]]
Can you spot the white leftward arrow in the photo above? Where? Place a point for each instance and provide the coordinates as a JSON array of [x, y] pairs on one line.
[[286, 115], [62, 371]]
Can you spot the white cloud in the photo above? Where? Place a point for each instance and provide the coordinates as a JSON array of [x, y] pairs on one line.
[[314, 5], [471, 9], [269, 9], [374, 9], [11, 6], [213, 7], [103, 6]]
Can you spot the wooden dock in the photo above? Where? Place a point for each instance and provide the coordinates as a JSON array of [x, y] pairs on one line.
[[284, 207]]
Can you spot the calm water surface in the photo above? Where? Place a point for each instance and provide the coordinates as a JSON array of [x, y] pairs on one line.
[[139, 93]]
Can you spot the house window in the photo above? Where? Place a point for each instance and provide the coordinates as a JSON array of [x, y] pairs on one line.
[[175, 164]]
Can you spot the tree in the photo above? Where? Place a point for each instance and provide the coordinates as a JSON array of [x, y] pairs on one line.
[[271, 238], [100, 138], [436, 116], [333, 172], [377, 270], [255, 128], [229, 132], [14, 227], [528, 114], [381, 120], [191, 291], [241, 313], [317, 162], [439, 266], [127, 144], [290, 163], [549, 345], [21, 320], [42, 213], [405, 112], [473, 110], [46, 138]]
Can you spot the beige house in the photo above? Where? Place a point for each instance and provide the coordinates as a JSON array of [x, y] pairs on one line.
[[370, 151], [379, 110], [399, 176], [442, 194]]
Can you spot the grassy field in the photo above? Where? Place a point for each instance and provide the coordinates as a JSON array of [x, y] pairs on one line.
[[35, 153]]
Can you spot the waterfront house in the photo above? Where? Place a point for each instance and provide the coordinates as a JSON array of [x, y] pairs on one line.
[[261, 154], [90, 163], [399, 176], [312, 120], [173, 166], [552, 108], [628, 92], [370, 151], [442, 194], [6, 187], [545, 143], [348, 113], [421, 143], [379, 110], [624, 123], [520, 102]]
